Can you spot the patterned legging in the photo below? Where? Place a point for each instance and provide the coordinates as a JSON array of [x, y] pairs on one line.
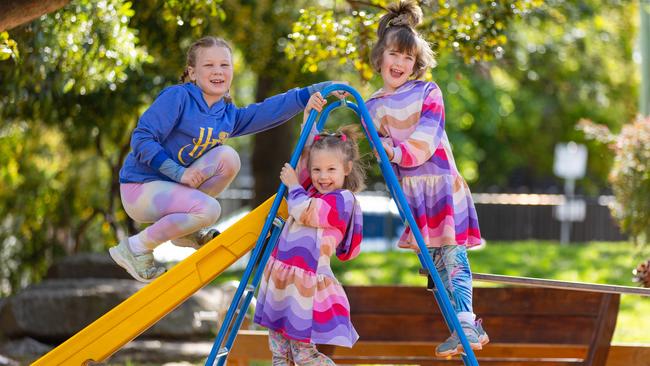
[[176, 209], [453, 267], [287, 352]]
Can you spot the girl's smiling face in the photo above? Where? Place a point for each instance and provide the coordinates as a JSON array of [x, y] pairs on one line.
[[396, 67], [328, 170], [212, 72]]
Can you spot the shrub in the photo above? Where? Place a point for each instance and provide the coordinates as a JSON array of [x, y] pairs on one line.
[[630, 173]]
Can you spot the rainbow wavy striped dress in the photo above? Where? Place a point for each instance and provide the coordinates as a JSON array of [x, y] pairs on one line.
[[412, 119], [299, 296]]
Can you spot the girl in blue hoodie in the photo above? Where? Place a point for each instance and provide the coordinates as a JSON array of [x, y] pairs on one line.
[[179, 163]]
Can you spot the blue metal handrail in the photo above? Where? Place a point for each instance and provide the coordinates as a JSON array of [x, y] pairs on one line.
[[258, 262]]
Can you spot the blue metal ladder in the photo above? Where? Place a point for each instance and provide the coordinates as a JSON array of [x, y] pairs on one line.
[[273, 225]]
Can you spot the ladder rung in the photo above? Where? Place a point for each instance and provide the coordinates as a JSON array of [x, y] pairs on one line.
[[223, 351]]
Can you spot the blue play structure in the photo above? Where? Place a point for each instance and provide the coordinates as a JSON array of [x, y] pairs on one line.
[[273, 225]]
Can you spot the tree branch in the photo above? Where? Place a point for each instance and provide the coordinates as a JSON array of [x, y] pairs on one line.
[[16, 12], [81, 229]]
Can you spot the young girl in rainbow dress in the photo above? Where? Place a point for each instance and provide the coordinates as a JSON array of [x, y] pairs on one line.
[[410, 115], [300, 300]]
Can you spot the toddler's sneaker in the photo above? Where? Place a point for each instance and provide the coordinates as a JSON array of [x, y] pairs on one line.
[[197, 239], [452, 345], [141, 267]]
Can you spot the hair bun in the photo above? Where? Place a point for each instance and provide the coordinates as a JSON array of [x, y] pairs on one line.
[[405, 12]]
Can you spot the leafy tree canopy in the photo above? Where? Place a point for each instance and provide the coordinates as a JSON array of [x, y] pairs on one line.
[[516, 76], [473, 30]]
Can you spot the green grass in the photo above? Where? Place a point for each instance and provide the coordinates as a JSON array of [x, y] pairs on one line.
[[597, 262]]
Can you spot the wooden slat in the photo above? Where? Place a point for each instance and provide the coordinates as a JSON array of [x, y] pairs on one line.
[[253, 345], [416, 300], [524, 301], [456, 361], [541, 325], [427, 350], [602, 336], [628, 355], [530, 329], [390, 300]]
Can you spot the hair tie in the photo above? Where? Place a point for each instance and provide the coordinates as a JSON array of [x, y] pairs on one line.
[[400, 20], [340, 135]]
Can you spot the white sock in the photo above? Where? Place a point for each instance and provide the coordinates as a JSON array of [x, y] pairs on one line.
[[467, 317], [136, 246]]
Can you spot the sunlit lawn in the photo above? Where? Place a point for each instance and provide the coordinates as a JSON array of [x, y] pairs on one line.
[[604, 263]]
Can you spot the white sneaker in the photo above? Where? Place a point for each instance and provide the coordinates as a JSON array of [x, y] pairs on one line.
[[141, 267]]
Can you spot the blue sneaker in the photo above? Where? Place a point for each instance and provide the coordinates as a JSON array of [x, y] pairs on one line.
[[452, 345]]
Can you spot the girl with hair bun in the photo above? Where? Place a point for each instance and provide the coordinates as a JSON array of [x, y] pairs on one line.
[[410, 116]]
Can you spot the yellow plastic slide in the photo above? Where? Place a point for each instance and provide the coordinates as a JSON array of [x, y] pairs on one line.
[[136, 314]]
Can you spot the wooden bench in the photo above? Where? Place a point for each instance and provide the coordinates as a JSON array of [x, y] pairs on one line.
[[527, 326]]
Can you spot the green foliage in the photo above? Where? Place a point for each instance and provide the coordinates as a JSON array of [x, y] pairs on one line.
[[474, 31], [538, 68], [192, 11], [630, 174], [68, 106], [85, 73], [30, 192], [564, 61], [65, 112], [318, 37], [8, 47], [81, 48]]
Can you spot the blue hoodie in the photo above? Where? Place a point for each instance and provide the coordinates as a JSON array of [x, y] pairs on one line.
[[180, 127]]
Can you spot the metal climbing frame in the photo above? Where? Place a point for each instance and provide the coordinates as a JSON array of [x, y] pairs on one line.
[[273, 225]]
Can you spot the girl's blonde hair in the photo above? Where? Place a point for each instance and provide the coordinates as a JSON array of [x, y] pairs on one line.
[[205, 42], [349, 149], [397, 29]]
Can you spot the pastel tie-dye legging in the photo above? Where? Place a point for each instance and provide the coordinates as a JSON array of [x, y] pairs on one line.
[[176, 209], [287, 352], [453, 267]]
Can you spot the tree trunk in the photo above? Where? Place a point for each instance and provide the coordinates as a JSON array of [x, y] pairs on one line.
[[271, 149], [16, 12]]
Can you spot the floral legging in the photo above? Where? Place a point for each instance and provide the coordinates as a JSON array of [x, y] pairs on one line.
[[453, 267], [287, 352], [175, 209]]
